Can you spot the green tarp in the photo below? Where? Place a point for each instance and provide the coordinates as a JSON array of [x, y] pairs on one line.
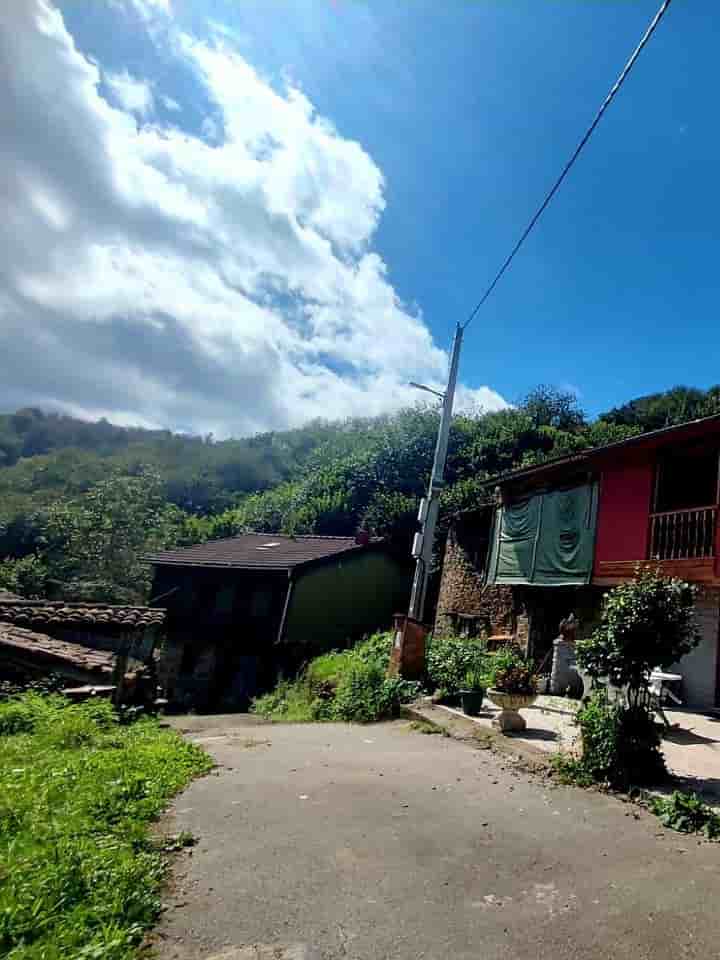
[[546, 540]]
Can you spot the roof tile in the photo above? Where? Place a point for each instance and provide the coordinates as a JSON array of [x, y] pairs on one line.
[[14, 639], [45, 613]]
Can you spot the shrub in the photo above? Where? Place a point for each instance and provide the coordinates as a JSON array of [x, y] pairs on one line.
[[375, 649], [646, 623], [620, 746], [365, 694], [450, 658], [349, 685]]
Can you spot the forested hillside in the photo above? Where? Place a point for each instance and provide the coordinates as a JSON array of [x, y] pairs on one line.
[[79, 502]]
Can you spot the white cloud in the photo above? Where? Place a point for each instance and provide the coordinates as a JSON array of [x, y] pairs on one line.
[[130, 94], [225, 284]]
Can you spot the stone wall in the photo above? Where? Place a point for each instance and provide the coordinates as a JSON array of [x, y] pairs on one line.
[[465, 604]]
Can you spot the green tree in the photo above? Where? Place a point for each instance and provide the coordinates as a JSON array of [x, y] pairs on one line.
[[646, 623], [94, 543]]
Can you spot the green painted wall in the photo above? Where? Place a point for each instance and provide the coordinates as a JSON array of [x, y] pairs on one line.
[[340, 601]]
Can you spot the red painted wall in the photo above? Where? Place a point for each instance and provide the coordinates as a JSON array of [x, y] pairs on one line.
[[623, 511]]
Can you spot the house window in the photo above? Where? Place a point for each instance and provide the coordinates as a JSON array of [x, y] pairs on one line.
[[687, 479], [684, 520]]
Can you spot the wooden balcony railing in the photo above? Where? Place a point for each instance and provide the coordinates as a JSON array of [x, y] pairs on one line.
[[683, 534]]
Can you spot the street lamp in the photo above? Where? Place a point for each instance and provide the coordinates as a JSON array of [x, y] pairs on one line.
[[409, 651], [421, 386]]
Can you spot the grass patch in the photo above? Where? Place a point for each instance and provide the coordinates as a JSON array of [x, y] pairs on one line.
[[350, 685], [427, 727], [80, 875]]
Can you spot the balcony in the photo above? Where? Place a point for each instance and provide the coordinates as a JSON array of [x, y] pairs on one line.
[[683, 534]]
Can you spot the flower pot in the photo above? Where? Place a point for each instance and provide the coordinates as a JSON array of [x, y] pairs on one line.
[[471, 701], [509, 720]]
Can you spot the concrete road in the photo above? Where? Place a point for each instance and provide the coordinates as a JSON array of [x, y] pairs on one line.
[[372, 843]]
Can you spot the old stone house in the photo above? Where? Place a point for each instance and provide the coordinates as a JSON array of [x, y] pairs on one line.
[[79, 642], [244, 609], [562, 532]]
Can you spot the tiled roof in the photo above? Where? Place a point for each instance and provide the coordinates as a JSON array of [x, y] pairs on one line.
[[6, 595], [37, 613], [40, 647], [263, 551]]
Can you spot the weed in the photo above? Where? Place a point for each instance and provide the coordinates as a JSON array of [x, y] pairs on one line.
[[687, 813], [179, 841], [79, 875], [427, 727], [350, 685]]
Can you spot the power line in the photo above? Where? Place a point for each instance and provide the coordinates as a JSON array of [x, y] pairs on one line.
[[566, 169]]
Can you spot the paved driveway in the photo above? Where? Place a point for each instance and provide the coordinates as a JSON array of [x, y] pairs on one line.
[[378, 842]]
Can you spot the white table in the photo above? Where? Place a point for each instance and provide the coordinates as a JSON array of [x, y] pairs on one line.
[[661, 678]]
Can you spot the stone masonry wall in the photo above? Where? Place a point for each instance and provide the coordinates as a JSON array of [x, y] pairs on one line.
[[462, 594]]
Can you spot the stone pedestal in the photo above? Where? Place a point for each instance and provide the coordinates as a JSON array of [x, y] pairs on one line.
[[509, 719]]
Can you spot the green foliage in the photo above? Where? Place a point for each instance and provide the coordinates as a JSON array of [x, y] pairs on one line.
[[64, 482], [80, 874], [449, 659], [25, 576], [657, 410], [94, 544], [646, 623], [509, 671], [292, 701], [364, 694], [475, 681], [350, 685], [375, 649], [620, 746], [686, 813]]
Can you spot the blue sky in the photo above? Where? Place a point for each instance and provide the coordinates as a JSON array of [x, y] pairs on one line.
[[463, 113]]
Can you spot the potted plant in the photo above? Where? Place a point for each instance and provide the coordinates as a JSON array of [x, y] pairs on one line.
[[513, 686], [473, 692]]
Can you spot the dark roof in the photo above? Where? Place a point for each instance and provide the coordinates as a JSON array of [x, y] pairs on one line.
[[45, 649], [35, 613], [650, 438], [260, 551]]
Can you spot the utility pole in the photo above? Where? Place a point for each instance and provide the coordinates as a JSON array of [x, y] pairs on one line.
[[409, 650]]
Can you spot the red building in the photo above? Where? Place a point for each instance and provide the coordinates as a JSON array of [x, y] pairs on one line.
[[566, 530]]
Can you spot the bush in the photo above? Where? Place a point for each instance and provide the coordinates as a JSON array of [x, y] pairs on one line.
[[375, 649], [620, 746], [449, 659], [646, 623], [365, 694], [350, 685]]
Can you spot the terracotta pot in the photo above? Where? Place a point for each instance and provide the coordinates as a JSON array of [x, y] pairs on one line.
[[509, 720]]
